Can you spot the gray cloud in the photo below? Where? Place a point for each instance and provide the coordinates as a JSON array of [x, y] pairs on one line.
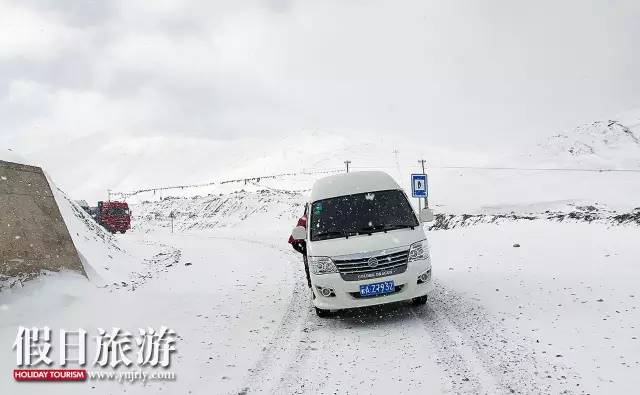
[[469, 73]]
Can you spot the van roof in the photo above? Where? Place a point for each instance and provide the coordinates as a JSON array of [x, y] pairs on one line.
[[352, 183]]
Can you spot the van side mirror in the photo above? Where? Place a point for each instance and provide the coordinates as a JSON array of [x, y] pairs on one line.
[[299, 233], [426, 215]]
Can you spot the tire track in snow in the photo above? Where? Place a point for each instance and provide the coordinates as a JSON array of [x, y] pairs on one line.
[[279, 369], [455, 357], [511, 365], [272, 371], [292, 380], [465, 371], [337, 345], [267, 373]]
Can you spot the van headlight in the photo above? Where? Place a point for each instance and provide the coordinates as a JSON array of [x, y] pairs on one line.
[[322, 265], [419, 250]]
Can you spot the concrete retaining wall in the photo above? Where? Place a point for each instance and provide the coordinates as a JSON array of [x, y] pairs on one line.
[[33, 235]]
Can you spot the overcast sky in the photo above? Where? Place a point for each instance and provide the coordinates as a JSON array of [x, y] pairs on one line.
[[473, 73]]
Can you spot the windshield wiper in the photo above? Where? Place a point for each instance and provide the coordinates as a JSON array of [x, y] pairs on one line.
[[399, 226], [330, 233], [372, 229], [383, 228]]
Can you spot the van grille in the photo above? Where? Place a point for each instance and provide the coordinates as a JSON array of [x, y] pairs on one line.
[[385, 263]]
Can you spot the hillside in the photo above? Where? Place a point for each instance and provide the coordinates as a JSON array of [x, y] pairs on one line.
[[260, 208], [610, 144]]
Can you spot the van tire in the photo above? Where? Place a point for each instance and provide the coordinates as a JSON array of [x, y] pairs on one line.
[[322, 313], [419, 301]]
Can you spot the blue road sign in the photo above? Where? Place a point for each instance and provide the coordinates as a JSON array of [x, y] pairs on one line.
[[419, 186]]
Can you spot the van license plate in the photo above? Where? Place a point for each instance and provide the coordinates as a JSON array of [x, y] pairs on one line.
[[377, 288]]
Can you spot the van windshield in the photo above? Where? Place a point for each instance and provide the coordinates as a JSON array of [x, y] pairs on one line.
[[362, 213]]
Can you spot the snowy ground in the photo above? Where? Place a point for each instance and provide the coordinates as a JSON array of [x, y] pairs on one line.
[[547, 317]]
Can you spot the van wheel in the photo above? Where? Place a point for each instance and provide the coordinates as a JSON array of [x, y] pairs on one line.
[[419, 301], [322, 313]]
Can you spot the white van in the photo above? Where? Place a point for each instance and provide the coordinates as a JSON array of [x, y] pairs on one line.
[[364, 242]]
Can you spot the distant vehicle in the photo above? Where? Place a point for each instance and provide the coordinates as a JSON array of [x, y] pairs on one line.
[[113, 216], [364, 243], [83, 204]]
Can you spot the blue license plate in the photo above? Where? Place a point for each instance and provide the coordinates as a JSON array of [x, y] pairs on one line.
[[377, 288]]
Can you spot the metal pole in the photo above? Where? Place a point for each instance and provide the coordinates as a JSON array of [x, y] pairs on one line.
[[346, 162], [426, 199]]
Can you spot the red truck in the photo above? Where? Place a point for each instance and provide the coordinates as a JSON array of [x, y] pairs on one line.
[[113, 216]]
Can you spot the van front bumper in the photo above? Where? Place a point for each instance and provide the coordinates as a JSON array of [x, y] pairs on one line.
[[346, 293]]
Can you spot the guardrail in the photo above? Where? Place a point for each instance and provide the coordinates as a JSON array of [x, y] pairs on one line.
[[245, 180]]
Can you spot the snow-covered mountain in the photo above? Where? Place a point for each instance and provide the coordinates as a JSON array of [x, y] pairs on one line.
[[612, 143], [147, 162], [460, 183]]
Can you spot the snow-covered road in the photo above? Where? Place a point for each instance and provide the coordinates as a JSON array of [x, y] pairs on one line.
[[545, 317]]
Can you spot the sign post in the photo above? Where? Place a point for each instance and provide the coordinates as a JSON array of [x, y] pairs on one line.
[[420, 187], [426, 199]]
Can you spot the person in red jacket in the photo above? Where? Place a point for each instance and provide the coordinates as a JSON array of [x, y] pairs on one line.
[[301, 246]]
